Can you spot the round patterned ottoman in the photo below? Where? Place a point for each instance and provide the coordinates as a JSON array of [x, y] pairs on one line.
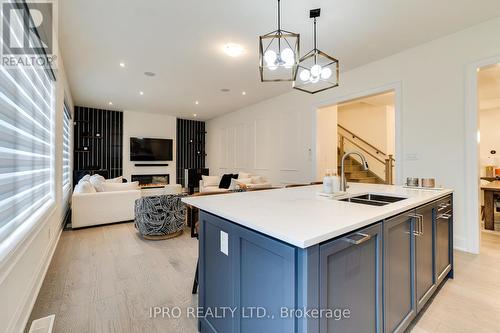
[[160, 217]]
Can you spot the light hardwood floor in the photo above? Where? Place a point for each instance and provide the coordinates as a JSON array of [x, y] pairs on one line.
[[105, 279]]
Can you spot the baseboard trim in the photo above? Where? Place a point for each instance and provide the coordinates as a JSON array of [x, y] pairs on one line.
[[459, 244], [24, 312]]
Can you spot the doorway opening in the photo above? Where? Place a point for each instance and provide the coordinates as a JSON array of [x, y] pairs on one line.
[[366, 124], [488, 97]]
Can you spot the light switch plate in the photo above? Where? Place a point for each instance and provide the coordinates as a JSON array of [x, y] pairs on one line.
[[411, 157], [224, 243]]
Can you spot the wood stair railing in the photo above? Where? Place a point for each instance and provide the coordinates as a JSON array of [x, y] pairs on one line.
[[387, 160]]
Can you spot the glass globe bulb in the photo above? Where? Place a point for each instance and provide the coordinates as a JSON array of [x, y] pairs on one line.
[[314, 79], [272, 67], [288, 56], [270, 57], [305, 75], [316, 70], [326, 73]]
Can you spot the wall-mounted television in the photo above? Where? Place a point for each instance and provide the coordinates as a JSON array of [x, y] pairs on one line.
[[148, 149]]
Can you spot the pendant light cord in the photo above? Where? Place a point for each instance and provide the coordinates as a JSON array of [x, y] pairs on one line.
[[315, 49], [279, 26], [279, 16]]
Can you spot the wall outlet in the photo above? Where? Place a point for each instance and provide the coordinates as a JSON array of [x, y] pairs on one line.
[[224, 243]]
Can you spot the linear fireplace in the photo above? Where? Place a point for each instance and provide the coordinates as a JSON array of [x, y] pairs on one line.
[[157, 180]]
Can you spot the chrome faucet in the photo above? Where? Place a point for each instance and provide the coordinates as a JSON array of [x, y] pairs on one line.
[[343, 182]]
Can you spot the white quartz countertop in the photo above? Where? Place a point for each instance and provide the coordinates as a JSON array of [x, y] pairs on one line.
[[300, 217]]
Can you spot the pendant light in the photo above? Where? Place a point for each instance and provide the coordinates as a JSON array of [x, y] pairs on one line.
[[317, 71], [278, 54]]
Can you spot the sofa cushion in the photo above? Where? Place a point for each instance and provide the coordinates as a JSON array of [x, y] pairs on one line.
[[210, 180], [225, 180], [97, 181], [84, 187], [113, 187], [258, 186], [214, 189], [244, 175], [115, 180], [257, 179]]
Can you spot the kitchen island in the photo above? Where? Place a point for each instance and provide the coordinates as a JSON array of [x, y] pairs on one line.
[[288, 260]]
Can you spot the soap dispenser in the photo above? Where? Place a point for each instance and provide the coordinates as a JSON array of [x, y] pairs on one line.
[[328, 182]]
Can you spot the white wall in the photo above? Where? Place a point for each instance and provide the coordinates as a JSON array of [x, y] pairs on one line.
[[375, 125], [326, 140], [148, 125], [432, 79], [270, 139], [369, 122], [489, 124], [23, 270]]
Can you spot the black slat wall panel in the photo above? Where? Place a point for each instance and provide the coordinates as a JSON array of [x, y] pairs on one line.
[[101, 132], [190, 146]]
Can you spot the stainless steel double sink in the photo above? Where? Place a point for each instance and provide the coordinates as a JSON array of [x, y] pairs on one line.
[[373, 199]]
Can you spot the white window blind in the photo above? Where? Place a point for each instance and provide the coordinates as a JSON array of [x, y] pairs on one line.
[[26, 147], [66, 160]]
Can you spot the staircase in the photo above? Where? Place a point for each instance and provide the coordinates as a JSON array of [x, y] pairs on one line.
[[354, 172], [382, 162]]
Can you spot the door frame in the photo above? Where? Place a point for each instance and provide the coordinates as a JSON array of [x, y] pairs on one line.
[[397, 88], [472, 163]]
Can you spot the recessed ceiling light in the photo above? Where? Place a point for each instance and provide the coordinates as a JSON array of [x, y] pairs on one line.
[[110, 103], [141, 93], [196, 102], [243, 93], [122, 64], [195, 115], [149, 74], [233, 49]]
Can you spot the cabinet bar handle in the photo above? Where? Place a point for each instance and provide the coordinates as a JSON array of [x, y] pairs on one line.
[[418, 224], [421, 220], [364, 238]]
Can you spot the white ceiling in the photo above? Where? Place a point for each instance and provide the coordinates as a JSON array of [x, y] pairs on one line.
[[181, 42]]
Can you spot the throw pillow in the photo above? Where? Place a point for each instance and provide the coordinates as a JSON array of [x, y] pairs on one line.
[[234, 184], [256, 179], [244, 175], [225, 180], [84, 187], [115, 180], [115, 187], [210, 180], [98, 181], [85, 178]]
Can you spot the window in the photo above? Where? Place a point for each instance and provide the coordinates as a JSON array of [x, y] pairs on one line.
[[26, 148], [66, 158]]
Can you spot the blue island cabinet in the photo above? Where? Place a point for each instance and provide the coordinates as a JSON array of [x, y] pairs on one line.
[[252, 283]]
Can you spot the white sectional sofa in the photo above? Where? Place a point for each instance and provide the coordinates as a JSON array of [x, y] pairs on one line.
[[244, 180], [90, 209], [101, 202]]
